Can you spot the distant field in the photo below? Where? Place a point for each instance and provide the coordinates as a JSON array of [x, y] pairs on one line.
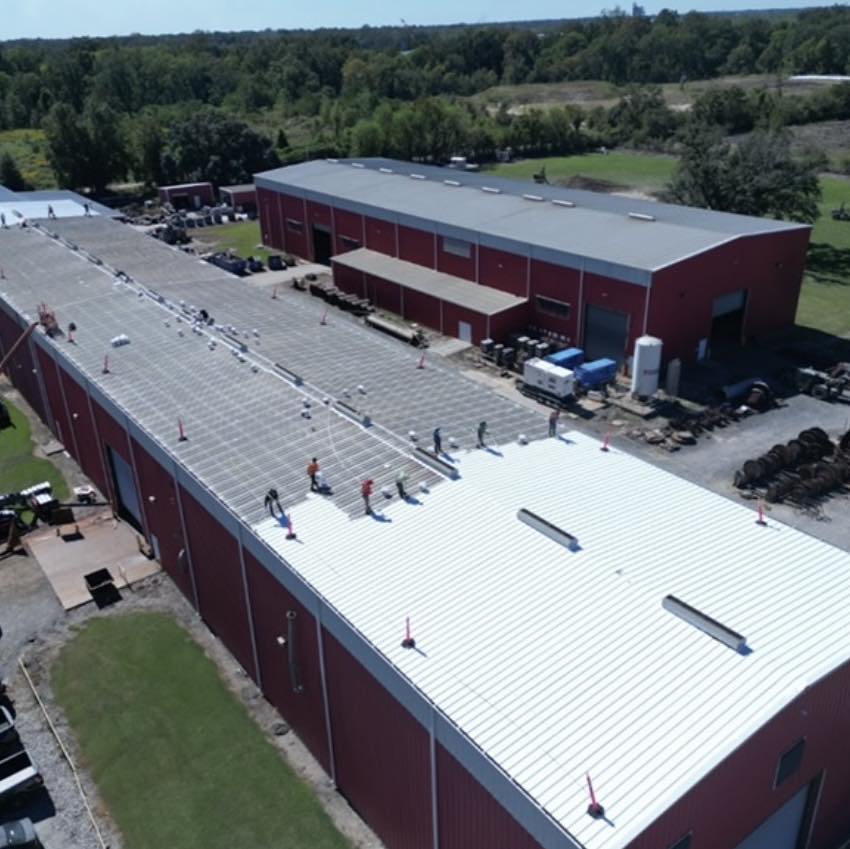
[[590, 93], [636, 171], [29, 150]]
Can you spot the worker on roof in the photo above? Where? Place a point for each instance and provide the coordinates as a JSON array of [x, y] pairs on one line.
[[553, 422], [482, 432], [312, 472], [366, 490], [400, 481], [50, 212], [272, 501], [438, 442]]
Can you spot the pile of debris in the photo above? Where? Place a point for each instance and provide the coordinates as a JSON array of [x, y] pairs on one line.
[[802, 471], [326, 290]]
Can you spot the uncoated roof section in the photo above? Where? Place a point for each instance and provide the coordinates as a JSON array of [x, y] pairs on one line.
[[600, 232], [446, 287]]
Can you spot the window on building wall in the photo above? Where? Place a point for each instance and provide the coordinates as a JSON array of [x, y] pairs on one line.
[[553, 307], [294, 225], [348, 243], [683, 843], [790, 762], [457, 247]]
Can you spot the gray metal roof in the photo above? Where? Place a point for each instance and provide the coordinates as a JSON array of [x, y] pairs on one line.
[[446, 287], [6, 194], [246, 429], [56, 195], [595, 231], [244, 187]]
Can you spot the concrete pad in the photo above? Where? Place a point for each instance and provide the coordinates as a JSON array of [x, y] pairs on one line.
[[103, 543]]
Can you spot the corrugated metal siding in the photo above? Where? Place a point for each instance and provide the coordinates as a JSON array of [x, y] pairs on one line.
[[615, 295], [505, 271], [562, 284], [111, 432], [380, 235], [163, 517], [304, 711], [20, 368], [422, 309], [50, 377], [384, 295], [416, 246], [382, 754], [452, 315], [455, 265], [88, 450], [215, 560], [737, 796], [470, 818]]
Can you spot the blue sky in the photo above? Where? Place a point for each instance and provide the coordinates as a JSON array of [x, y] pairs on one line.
[[60, 18]]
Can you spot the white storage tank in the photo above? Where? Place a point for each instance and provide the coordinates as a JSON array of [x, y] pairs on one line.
[[548, 377], [647, 366]]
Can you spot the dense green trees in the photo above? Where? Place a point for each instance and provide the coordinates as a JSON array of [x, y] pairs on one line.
[[758, 176], [10, 174]]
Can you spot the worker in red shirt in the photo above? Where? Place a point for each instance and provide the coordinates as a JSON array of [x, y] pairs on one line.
[[366, 490], [312, 471]]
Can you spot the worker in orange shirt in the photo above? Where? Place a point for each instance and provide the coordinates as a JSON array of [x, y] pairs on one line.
[[313, 471]]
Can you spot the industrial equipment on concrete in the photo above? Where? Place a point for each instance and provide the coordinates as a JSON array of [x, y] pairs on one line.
[[647, 366]]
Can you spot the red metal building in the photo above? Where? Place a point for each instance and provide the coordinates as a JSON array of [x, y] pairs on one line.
[[593, 270], [187, 195], [417, 778]]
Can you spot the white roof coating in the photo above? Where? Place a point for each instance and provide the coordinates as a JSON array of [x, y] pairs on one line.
[[16, 211], [560, 663], [597, 226], [453, 290]]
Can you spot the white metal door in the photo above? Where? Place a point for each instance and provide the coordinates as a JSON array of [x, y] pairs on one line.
[[464, 331], [782, 830]]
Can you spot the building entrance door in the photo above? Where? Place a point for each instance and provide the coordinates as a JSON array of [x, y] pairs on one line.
[[464, 331]]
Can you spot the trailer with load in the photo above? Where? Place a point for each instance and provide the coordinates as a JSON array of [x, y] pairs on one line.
[[555, 385]]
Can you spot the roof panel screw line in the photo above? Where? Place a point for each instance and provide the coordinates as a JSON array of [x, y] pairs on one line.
[[408, 642], [761, 519], [594, 808]]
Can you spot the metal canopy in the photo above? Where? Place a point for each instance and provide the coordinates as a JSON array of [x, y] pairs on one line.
[[453, 290]]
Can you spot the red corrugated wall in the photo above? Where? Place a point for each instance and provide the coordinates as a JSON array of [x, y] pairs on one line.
[[738, 795], [616, 295], [88, 453], [349, 225], [457, 266], [422, 309], [297, 243], [304, 711], [380, 236], [112, 433], [21, 368], [416, 246], [271, 223], [507, 321], [349, 280], [381, 753], [383, 294], [218, 576], [453, 314], [470, 818], [163, 517], [770, 267], [505, 271], [562, 284], [54, 394]]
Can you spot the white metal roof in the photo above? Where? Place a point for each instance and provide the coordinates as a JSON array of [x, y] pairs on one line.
[[446, 287], [18, 210], [559, 663]]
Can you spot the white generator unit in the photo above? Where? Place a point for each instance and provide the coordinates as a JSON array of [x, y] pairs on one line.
[[646, 366], [546, 377]]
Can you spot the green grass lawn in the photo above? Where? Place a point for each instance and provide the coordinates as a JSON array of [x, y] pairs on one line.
[[178, 761], [18, 468], [242, 236], [642, 171], [29, 149], [825, 297]]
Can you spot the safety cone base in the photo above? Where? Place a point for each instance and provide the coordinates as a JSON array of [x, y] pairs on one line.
[[408, 643], [596, 810]]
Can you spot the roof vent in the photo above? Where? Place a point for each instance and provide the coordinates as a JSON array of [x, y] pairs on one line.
[[335, 161], [712, 627], [559, 202], [493, 191], [386, 170], [357, 165], [532, 197], [554, 533], [417, 176], [452, 182], [641, 216]]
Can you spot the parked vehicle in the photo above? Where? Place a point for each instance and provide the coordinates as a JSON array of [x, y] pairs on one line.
[[18, 773], [19, 834]]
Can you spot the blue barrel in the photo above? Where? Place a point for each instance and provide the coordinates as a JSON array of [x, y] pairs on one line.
[[568, 358], [596, 373]]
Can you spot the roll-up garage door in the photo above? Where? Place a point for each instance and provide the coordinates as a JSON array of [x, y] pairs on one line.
[[782, 830], [605, 333], [129, 507]]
